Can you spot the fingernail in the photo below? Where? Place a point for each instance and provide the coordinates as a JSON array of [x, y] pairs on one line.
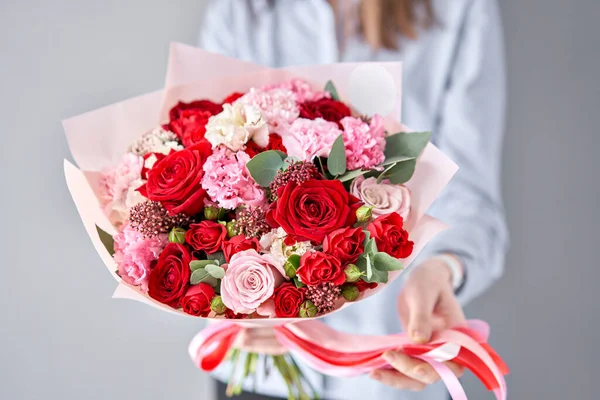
[[419, 337], [376, 375], [420, 371], [389, 356]]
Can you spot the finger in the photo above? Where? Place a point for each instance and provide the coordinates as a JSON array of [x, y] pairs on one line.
[[457, 370], [421, 302], [411, 367], [452, 309], [397, 380]]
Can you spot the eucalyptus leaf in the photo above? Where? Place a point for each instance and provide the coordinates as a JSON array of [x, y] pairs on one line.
[[385, 262], [219, 257], [264, 166], [401, 172], [348, 176], [330, 87], [197, 264], [406, 144], [397, 159], [201, 275], [370, 270], [369, 266], [215, 271], [107, 240], [370, 247], [298, 283], [336, 161]]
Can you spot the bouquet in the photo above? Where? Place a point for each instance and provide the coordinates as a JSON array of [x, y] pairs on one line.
[[258, 196]]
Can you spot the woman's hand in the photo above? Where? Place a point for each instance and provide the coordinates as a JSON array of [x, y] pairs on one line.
[[259, 340], [426, 304]]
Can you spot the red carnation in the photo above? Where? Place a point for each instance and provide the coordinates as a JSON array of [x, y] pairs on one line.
[[239, 243], [328, 109], [169, 279], [188, 120], [390, 237], [317, 268], [207, 236], [197, 299], [288, 299], [345, 243], [232, 97]]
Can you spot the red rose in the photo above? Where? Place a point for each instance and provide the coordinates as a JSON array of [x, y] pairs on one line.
[[288, 299], [390, 237], [197, 300], [328, 109], [198, 105], [175, 181], [169, 279], [188, 120], [275, 143], [317, 268], [346, 244], [313, 209], [239, 243], [157, 157], [206, 235], [229, 314], [232, 97], [362, 285]]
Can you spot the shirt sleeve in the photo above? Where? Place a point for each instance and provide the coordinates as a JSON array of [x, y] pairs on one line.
[[470, 130], [216, 34]]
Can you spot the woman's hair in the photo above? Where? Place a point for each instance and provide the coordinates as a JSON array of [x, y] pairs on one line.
[[382, 21]]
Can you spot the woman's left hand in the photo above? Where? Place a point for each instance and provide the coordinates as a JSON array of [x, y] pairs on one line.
[[426, 304]]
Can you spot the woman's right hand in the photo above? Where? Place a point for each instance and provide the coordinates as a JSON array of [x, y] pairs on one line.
[[259, 340]]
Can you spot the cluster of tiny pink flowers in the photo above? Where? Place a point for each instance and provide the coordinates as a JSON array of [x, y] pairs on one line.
[[298, 172], [364, 143], [323, 296], [151, 219], [251, 222]]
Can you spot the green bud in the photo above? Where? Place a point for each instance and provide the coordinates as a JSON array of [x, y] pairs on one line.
[[231, 230], [291, 265], [177, 235], [352, 273], [216, 305], [364, 213], [308, 309], [211, 213], [350, 292]]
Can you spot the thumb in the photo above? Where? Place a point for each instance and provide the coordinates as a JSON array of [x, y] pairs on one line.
[[421, 303]]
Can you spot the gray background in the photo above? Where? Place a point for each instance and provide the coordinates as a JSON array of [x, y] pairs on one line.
[[62, 338]]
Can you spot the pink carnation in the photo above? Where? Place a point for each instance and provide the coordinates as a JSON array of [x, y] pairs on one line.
[[277, 106], [308, 138], [118, 187], [365, 144], [228, 182], [134, 255], [302, 90]]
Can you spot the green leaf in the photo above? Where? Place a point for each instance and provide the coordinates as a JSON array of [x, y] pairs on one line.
[[397, 159], [370, 247], [197, 264], [401, 172], [369, 266], [330, 87], [201, 275], [264, 166], [107, 240], [406, 144], [336, 162], [385, 262], [291, 265], [219, 257], [370, 271], [348, 176], [215, 271], [298, 283]]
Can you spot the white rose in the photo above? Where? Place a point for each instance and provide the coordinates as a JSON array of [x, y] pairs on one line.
[[236, 125], [384, 197]]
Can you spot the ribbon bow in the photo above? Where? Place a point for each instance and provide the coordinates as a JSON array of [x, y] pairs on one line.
[[339, 354]]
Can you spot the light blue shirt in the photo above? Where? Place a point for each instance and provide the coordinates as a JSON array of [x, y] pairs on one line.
[[453, 84]]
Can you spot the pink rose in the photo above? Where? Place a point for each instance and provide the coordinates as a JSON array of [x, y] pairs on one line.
[[249, 281], [384, 197]]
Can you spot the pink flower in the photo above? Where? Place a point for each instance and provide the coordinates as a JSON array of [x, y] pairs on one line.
[[134, 255], [307, 138], [228, 182], [364, 143], [249, 281], [384, 197], [277, 106], [302, 90]]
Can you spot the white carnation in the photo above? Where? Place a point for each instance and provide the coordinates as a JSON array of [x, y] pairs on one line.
[[236, 125]]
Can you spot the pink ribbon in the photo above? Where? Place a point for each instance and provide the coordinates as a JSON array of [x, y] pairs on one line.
[[339, 354]]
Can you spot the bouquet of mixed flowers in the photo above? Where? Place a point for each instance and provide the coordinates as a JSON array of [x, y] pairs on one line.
[[275, 204]]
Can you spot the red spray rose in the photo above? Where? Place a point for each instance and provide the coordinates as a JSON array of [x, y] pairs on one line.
[[197, 299], [169, 279], [328, 109], [362, 285], [317, 268], [346, 244], [313, 209], [239, 243], [275, 143], [390, 237], [230, 314], [175, 181], [232, 97], [198, 105], [206, 235], [288, 299], [188, 120]]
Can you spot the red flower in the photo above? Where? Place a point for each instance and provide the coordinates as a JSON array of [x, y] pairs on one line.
[[175, 181], [390, 237], [317, 268], [362, 285], [188, 120], [206, 235], [239, 243], [313, 209], [328, 109], [198, 105], [232, 97], [229, 314], [275, 143], [169, 279], [345, 243], [157, 156], [288, 299], [197, 300]]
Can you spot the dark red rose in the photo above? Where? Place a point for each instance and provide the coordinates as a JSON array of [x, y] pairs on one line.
[[232, 97], [275, 143], [207, 236], [288, 299], [157, 157], [229, 314], [390, 237], [188, 120], [328, 109], [313, 209], [345, 243], [362, 285], [175, 181], [169, 279], [317, 268], [197, 299], [239, 243], [198, 105]]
